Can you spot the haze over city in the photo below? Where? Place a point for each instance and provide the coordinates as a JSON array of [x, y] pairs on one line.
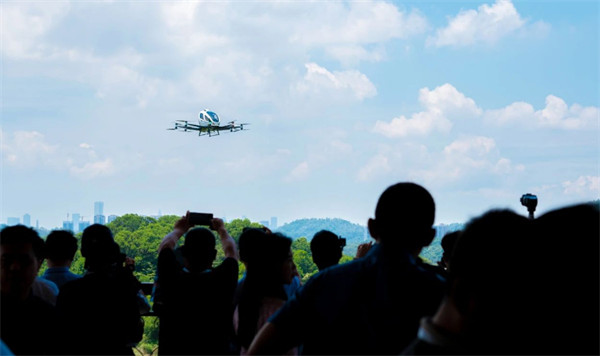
[[478, 101]]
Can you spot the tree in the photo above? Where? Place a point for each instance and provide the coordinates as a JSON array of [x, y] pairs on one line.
[[301, 244], [304, 263], [129, 222], [236, 227]]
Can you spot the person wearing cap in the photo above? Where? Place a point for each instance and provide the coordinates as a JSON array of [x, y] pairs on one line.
[[100, 311], [371, 305], [196, 299]]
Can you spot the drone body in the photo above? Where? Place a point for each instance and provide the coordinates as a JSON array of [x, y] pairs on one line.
[[208, 124]]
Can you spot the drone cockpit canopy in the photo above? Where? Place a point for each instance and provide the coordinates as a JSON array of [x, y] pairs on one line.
[[209, 116]]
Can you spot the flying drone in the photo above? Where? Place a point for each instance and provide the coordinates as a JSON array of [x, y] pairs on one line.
[[208, 124]]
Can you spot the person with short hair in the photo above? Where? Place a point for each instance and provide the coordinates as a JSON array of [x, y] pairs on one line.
[[270, 266], [196, 310], [24, 317], [326, 249], [100, 311], [371, 305], [61, 247]]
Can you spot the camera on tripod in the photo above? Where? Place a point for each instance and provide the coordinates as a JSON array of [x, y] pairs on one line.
[[530, 201]]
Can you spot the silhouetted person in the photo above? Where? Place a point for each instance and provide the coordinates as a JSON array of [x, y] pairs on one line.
[[100, 310], [25, 319], [493, 287], [197, 300], [371, 305], [326, 249], [269, 267], [568, 305], [61, 247]]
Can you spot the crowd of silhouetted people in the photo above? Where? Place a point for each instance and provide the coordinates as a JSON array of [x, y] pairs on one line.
[[505, 284]]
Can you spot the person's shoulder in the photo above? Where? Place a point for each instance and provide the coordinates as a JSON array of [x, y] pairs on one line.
[[229, 263]]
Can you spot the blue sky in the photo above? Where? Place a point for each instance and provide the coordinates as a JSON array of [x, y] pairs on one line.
[[478, 101]]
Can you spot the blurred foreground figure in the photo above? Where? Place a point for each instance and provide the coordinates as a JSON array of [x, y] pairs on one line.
[[371, 305], [27, 322], [504, 298], [100, 310], [270, 266]]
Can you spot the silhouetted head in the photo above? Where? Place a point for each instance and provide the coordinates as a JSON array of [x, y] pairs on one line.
[[61, 246], [198, 249], [326, 248], [404, 217], [569, 250], [98, 247], [21, 253], [249, 244], [492, 274]]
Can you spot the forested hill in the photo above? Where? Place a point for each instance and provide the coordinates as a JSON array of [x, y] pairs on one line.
[[308, 227], [354, 234]]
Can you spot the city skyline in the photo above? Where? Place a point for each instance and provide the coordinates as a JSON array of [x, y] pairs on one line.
[[77, 218]]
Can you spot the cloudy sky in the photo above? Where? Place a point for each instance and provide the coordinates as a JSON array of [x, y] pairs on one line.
[[480, 102]]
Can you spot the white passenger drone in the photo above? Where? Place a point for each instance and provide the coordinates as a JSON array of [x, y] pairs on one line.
[[208, 124]]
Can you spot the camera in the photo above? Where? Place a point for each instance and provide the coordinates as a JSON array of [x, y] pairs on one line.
[[530, 201], [200, 219]]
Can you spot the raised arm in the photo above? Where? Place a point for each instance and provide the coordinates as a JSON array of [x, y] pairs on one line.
[[227, 241], [181, 227]]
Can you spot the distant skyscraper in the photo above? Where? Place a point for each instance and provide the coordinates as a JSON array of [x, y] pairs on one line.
[[98, 208], [273, 223], [83, 225], [67, 225], [99, 217], [13, 221], [75, 222], [27, 220], [111, 218]]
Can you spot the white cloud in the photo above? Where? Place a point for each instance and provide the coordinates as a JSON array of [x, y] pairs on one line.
[[346, 30], [26, 149], [24, 25], [440, 104], [487, 24], [462, 159], [556, 114], [448, 100], [377, 165], [584, 186], [299, 172], [92, 170], [319, 81], [30, 150], [474, 146]]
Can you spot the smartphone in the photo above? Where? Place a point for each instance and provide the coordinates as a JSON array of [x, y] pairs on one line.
[[200, 219]]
